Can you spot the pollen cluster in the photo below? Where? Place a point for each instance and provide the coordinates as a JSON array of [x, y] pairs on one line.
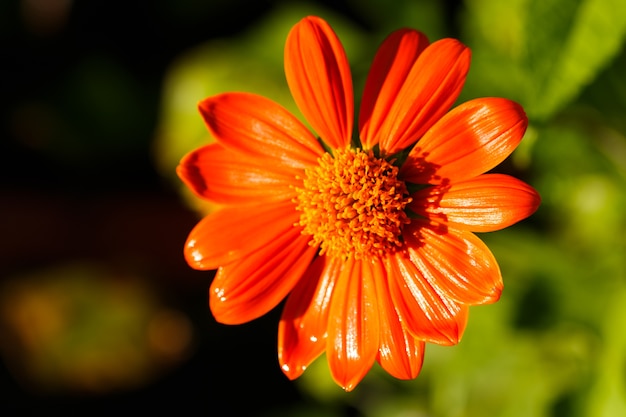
[[352, 204]]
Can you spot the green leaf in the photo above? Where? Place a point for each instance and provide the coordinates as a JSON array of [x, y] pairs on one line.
[[570, 42], [541, 53]]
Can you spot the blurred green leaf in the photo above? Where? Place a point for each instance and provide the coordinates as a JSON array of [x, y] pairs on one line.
[[575, 40], [542, 52]]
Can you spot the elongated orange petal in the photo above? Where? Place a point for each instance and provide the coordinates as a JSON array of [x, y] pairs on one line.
[[318, 75], [470, 140], [392, 63], [456, 263], [353, 324], [247, 289], [259, 127], [427, 314], [231, 233], [429, 90], [400, 353], [302, 329], [226, 177], [485, 203]]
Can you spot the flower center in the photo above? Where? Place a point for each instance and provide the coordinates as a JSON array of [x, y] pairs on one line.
[[353, 204]]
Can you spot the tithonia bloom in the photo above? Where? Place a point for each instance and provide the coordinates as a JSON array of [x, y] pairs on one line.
[[367, 232]]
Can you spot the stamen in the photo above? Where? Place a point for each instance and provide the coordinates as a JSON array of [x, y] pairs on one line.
[[353, 205]]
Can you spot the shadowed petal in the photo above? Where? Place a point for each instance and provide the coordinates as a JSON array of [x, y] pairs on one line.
[[470, 140], [232, 233], [400, 353], [456, 263], [392, 63], [429, 90], [485, 203], [427, 314], [319, 78], [251, 287], [353, 325], [261, 128], [302, 329], [226, 177]]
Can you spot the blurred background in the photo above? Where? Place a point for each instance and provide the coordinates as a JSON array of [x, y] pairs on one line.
[[99, 313]]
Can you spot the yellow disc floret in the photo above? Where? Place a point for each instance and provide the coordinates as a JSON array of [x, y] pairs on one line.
[[353, 204]]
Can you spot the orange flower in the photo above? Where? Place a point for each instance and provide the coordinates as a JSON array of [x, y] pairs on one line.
[[369, 237]]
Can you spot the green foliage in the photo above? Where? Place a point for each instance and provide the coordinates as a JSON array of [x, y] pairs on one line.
[[543, 52]]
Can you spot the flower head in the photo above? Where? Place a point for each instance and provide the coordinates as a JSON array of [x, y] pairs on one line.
[[368, 236]]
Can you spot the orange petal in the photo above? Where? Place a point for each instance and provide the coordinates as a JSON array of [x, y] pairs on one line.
[[233, 232], [456, 263], [426, 313], [353, 324], [261, 128], [389, 70], [318, 75], [485, 203], [400, 353], [226, 177], [429, 90], [247, 289], [302, 329], [470, 140]]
